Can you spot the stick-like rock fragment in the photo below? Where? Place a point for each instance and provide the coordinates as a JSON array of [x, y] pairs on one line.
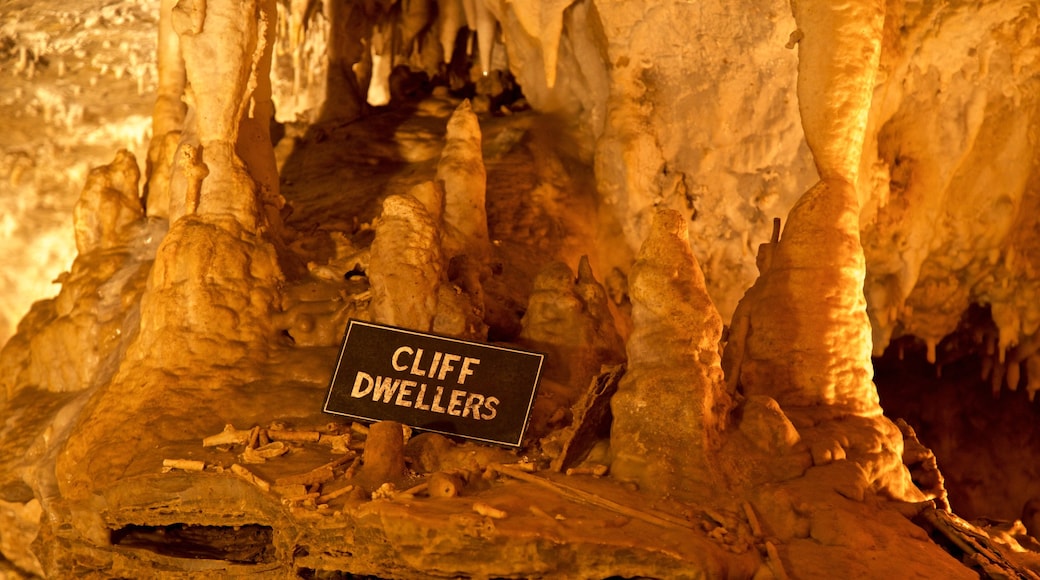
[[491, 512], [229, 436], [294, 436], [752, 518], [325, 498], [250, 477], [774, 562], [581, 496], [183, 464]]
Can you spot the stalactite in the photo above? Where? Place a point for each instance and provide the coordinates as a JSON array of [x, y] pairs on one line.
[[450, 18]]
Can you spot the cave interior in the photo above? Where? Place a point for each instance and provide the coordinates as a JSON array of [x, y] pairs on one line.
[[782, 261]]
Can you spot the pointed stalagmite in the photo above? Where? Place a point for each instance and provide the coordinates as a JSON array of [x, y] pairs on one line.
[[672, 399], [461, 168], [464, 230], [568, 318]]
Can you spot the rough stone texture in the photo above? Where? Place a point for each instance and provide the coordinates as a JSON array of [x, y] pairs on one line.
[[672, 401], [943, 227], [688, 106], [567, 319], [461, 168], [108, 204], [406, 265]]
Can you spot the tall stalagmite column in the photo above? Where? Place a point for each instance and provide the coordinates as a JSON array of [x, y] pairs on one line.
[[215, 279], [167, 115], [672, 399], [802, 332], [227, 57]]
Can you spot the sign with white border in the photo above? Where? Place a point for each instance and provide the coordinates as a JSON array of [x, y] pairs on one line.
[[433, 383]]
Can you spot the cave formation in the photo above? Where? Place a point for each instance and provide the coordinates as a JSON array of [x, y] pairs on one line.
[[716, 220]]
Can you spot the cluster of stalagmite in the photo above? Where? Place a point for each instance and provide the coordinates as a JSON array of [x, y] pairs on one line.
[[189, 291], [214, 281], [431, 247], [568, 320]]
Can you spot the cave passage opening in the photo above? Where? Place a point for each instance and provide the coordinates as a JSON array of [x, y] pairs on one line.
[[985, 438]]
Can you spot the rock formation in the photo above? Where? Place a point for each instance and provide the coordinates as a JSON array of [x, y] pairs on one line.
[[672, 401], [163, 411]]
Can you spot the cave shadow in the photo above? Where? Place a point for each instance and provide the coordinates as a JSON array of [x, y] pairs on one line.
[[987, 446]]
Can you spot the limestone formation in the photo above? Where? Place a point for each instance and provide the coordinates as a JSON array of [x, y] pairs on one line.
[[407, 266], [461, 168], [230, 103], [811, 296], [383, 461], [108, 205], [672, 401], [162, 157], [567, 319], [431, 248], [597, 128], [168, 114]]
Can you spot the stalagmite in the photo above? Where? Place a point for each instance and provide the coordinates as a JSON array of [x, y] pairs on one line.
[[672, 401], [809, 342], [383, 461], [461, 168], [464, 228], [231, 104], [806, 340], [382, 56], [162, 157], [667, 125], [214, 281], [348, 24], [406, 265], [109, 203], [568, 317], [168, 114]]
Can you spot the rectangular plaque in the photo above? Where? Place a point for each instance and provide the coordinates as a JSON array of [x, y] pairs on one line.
[[434, 383]]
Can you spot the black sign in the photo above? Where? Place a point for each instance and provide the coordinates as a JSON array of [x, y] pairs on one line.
[[446, 385]]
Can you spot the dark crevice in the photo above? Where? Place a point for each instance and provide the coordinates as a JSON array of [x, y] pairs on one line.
[[245, 544]]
